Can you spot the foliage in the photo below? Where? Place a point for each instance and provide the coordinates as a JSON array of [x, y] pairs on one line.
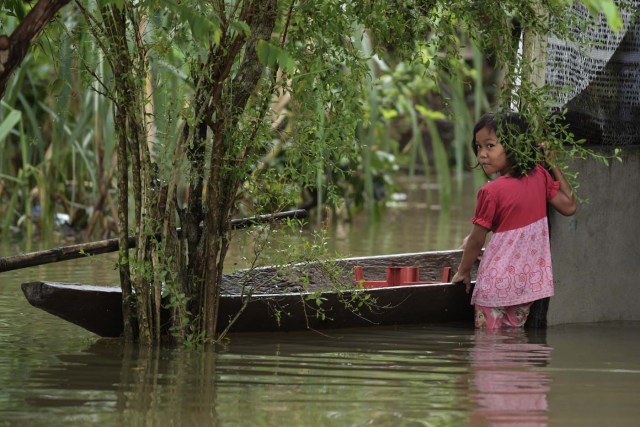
[[84, 154]]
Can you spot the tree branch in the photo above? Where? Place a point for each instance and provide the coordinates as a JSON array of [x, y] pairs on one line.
[[14, 48]]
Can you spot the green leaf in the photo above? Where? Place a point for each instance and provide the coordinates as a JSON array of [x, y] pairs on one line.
[[240, 27], [9, 123], [117, 3], [263, 52], [430, 114], [203, 27], [612, 14], [608, 8], [270, 55], [57, 86]]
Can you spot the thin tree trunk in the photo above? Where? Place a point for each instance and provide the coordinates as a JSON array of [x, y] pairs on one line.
[[123, 220], [128, 98], [221, 186]]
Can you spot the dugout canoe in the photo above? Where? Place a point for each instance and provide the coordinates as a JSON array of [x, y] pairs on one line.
[[280, 304]]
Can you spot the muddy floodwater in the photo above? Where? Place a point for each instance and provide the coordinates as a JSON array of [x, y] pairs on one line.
[[54, 373]]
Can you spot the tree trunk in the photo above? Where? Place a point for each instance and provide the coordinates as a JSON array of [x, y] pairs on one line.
[[128, 64], [118, 54], [222, 186], [123, 220]]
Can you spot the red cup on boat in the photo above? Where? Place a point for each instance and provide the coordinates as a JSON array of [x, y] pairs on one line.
[[410, 275], [394, 276]]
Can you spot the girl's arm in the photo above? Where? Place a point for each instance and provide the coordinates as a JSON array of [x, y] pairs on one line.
[[472, 249], [564, 202]]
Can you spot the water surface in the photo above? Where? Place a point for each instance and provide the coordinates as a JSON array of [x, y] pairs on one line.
[[55, 373]]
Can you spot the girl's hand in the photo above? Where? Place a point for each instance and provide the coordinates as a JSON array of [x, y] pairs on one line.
[[463, 278], [549, 155]]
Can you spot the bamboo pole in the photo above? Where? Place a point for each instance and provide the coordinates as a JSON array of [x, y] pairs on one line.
[[534, 52], [64, 253]]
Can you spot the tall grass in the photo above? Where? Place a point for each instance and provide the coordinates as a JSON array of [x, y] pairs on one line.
[[366, 133], [58, 171], [57, 145], [437, 115]]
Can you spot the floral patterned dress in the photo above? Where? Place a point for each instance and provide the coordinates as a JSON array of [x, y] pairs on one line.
[[516, 264]]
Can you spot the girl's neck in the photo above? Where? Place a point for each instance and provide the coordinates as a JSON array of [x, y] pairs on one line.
[[508, 171]]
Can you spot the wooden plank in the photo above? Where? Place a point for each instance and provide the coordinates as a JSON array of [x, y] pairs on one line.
[[81, 250]]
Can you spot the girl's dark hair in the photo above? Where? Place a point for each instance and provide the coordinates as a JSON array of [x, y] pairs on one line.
[[513, 133]]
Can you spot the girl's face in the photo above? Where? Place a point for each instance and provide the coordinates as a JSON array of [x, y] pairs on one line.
[[491, 155]]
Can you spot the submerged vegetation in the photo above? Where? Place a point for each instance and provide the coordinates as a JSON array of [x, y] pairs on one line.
[[144, 116]]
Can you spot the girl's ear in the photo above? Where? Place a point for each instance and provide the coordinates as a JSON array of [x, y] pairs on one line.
[[474, 147]]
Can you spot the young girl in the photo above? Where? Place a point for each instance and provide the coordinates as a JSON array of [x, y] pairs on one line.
[[515, 269]]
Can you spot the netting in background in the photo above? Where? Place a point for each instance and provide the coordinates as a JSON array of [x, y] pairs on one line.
[[598, 81]]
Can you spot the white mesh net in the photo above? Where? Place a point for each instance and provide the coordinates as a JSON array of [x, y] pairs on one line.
[[598, 79]]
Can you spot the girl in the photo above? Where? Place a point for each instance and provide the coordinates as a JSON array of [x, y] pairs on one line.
[[515, 269]]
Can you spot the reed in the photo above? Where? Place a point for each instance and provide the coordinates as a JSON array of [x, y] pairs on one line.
[[435, 103]]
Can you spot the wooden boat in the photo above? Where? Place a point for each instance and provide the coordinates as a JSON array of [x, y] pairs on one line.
[[285, 306]]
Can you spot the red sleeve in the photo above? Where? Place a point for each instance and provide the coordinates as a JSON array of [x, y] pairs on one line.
[[485, 209], [552, 186]]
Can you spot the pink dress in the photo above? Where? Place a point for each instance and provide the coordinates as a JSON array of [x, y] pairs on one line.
[[516, 264]]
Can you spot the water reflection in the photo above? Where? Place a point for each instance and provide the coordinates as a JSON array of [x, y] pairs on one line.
[[126, 385], [379, 376], [508, 385], [417, 375], [55, 373]]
